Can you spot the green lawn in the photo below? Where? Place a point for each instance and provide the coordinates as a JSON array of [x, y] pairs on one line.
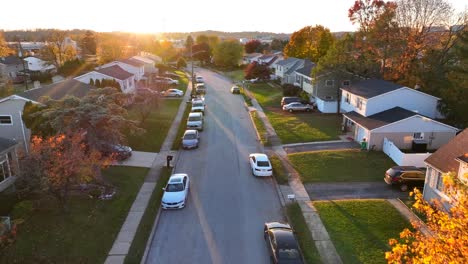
[[182, 127], [260, 128], [278, 170], [303, 235], [235, 76], [360, 229], [157, 125], [296, 127], [183, 80], [138, 246], [341, 166], [83, 235]]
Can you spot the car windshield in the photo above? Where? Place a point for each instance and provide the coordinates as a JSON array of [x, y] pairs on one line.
[[263, 163], [194, 118], [175, 187], [198, 105], [392, 172], [190, 136], [288, 253]]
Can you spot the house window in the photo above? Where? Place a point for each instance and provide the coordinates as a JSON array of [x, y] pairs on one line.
[[440, 183], [306, 80], [348, 98], [4, 170], [358, 103], [418, 135], [329, 83], [346, 83], [6, 120]]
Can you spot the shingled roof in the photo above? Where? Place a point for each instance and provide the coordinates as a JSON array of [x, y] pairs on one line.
[[380, 119], [372, 87], [133, 62], [307, 68], [444, 159], [59, 90], [115, 72]]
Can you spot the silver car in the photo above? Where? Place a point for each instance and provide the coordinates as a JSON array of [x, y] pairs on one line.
[[297, 106], [191, 139]]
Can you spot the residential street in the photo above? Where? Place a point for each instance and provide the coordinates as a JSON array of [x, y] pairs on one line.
[[227, 206]]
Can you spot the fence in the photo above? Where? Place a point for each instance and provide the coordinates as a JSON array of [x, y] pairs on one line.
[[404, 159]]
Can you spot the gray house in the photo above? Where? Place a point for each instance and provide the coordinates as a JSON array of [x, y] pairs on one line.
[[452, 157], [8, 163], [283, 67], [12, 65], [11, 108]]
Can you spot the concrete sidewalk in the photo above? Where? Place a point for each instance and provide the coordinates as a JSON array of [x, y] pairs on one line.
[[139, 159], [128, 230], [320, 235]]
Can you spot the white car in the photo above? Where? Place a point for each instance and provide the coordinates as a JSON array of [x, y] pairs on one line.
[[173, 93], [297, 106], [198, 106], [199, 79], [176, 192], [260, 164]]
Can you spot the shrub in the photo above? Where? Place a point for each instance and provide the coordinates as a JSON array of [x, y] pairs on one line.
[[291, 90]]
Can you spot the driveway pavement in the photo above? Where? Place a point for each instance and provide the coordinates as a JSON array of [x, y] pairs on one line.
[[316, 146], [227, 207], [139, 159], [358, 190]]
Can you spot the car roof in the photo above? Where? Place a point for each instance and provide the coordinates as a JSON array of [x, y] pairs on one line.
[[190, 131], [197, 101], [260, 156], [195, 114], [177, 178], [285, 238]]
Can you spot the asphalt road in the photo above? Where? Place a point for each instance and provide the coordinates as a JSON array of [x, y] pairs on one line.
[[227, 206]]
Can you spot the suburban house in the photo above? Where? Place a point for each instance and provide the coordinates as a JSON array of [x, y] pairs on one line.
[[151, 56], [273, 64], [125, 79], [369, 97], [283, 66], [452, 157], [267, 59], [252, 57], [12, 66], [149, 65], [36, 65], [134, 67], [11, 108], [8, 163]]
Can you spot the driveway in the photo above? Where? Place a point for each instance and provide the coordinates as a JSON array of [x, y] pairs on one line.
[[316, 146], [139, 159], [356, 190], [227, 206]]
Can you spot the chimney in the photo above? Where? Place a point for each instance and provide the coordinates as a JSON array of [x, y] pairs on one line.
[[417, 87]]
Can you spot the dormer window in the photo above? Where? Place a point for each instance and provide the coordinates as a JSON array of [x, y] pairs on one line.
[[345, 83]]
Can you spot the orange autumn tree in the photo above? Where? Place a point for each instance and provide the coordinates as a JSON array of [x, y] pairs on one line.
[[58, 163], [448, 241]]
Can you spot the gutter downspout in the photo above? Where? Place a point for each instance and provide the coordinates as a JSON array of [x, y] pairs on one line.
[[24, 133]]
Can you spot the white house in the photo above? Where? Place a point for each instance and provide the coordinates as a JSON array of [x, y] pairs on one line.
[[452, 157], [149, 65], [399, 125], [124, 78], [373, 96], [38, 65], [134, 67], [151, 56]]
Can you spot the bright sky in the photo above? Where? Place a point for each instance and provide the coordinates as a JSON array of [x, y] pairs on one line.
[[151, 16]]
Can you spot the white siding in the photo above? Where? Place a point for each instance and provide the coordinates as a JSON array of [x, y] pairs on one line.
[[127, 86], [349, 102], [15, 131], [406, 98], [326, 106], [137, 71]]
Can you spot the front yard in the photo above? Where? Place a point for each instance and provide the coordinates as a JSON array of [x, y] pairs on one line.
[[360, 229], [83, 235], [341, 166], [295, 127]]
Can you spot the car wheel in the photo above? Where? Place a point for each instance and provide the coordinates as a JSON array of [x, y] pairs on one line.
[[253, 171], [307, 109], [177, 95], [290, 110], [404, 187]]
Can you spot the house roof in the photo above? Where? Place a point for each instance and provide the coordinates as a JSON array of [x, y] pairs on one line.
[[307, 68], [294, 67], [142, 59], [10, 60], [116, 72], [372, 87], [287, 61], [380, 119], [6, 143], [133, 62], [59, 90], [444, 159]]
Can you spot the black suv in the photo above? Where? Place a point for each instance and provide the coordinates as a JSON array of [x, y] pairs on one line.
[[405, 176], [290, 99]]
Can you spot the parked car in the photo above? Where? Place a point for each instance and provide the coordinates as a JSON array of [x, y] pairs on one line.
[[290, 99], [297, 106], [176, 192], [200, 88], [195, 121], [146, 91], [191, 139], [170, 75], [199, 79], [260, 164], [172, 93], [405, 176], [235, 89], [198, 106], [281, 243], [166, 79], [120, 152]]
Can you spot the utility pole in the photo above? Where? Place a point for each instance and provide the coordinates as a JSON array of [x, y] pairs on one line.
[[20, 55], [191, 62]]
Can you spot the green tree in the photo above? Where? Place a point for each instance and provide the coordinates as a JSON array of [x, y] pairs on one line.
[[228, 54], [181, 63], [189, 43], [89, 43], [309, 43]]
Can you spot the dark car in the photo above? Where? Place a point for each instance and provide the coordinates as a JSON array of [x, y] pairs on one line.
[[121, 152], [405, 176], [170, 75], [282, 244], [290, 99]]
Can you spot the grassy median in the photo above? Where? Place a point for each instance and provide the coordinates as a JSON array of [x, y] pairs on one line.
[[182, 127]]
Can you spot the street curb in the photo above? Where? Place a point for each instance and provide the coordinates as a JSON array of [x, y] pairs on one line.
[[312, 143]]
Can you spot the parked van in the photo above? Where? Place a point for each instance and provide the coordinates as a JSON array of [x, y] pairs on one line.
[[195, 121]]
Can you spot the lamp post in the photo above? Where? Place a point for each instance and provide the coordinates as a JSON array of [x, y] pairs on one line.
[[191, 63]]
